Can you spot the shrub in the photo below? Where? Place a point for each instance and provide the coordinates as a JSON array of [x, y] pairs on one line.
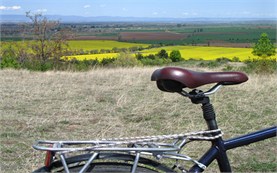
[[235, 59], [209, 64], [155, 61], [175, 56], [9, 62], [76, 65], [222, 60], [107, 61], [139, 56], [8, 59], [261, 66], [37, 65], [212, 64], [126, 60], [162, 54]]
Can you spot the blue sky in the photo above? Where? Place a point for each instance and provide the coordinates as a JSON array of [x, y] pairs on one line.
[[145, 8]]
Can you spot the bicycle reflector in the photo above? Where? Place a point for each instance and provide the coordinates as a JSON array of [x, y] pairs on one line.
[[49, 158]]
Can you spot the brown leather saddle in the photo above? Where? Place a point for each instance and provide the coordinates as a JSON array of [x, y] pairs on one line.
[[174, 79]]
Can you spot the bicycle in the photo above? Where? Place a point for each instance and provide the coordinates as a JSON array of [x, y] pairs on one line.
[[137, 154]]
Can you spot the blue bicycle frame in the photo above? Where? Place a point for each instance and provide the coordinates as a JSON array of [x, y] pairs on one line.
[[219, 146]]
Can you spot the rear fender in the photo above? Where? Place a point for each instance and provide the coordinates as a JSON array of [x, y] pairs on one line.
[[106, 156]]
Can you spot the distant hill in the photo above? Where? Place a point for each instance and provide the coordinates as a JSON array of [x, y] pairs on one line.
[[81, 19]]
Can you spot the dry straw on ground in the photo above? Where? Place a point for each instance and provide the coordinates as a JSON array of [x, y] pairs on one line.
[[123, 102]]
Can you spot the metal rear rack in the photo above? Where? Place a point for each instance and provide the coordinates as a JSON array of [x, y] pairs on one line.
[[162, 146], [72, 146]]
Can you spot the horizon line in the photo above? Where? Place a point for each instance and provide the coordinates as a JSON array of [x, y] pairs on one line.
[[146, 17]]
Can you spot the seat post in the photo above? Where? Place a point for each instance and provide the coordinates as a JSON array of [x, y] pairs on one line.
[[209, 115], [197, 97], [207, 108]]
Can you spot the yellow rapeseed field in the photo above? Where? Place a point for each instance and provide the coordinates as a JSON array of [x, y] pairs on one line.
[[86, 45], [207, 53], [99, 57], [187, 52]]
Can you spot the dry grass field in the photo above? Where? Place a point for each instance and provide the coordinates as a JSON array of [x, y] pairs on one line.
[[124, 102]]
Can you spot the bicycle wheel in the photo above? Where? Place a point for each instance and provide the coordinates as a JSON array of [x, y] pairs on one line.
[[112, 167], [107, 163]]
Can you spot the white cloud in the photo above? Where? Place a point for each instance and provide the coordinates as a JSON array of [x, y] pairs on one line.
[[86, 6], [41, 10], [15, 7], [155, 13]]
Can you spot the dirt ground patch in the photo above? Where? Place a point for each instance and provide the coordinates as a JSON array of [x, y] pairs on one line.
[[94, 38], [151, 36]]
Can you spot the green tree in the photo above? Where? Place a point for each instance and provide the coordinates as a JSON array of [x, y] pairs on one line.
[[175, 56], [264, 48], [162, 54]]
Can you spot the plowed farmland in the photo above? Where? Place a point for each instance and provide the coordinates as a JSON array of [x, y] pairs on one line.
[[131, 36]]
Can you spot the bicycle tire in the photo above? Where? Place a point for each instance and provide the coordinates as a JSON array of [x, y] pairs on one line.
[[102, 167], [110, 161]]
